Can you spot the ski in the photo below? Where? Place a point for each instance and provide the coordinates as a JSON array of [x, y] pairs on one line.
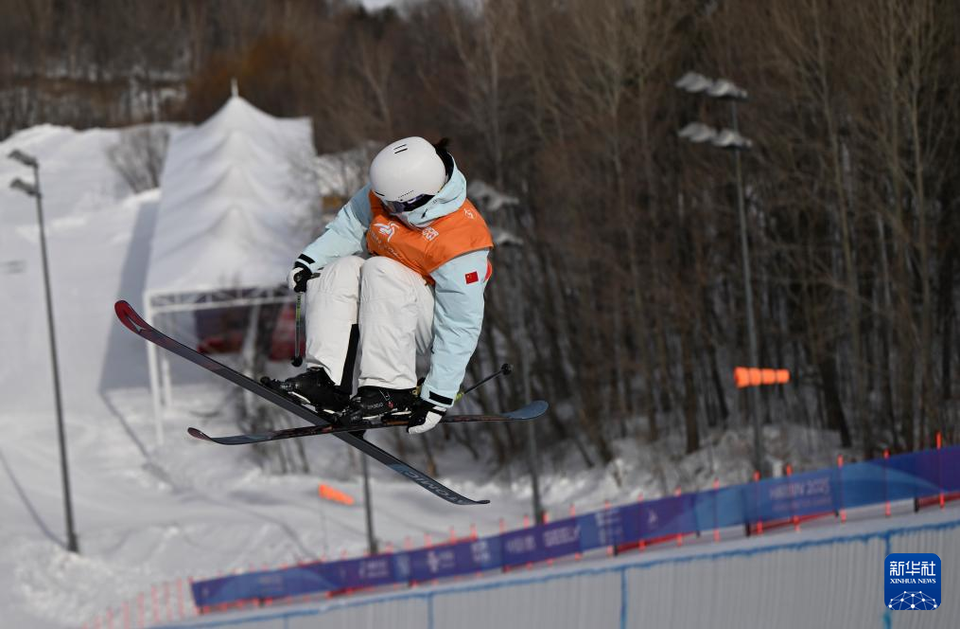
[[528, 412], [136, 324]]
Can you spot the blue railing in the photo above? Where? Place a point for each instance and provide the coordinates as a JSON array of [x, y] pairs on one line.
[[914, 476]]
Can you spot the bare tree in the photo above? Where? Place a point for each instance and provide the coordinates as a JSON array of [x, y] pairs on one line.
[[139, 155]]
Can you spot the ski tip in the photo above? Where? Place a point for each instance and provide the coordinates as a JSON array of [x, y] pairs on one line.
[[128, 316], [539, 407], [198, 434], [122, 309], [463, 501], [532, 410]]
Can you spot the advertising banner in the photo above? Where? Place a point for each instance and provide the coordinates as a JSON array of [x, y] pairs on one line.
[[906, 476]]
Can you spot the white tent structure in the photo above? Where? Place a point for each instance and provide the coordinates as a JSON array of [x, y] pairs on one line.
[[233, 212]]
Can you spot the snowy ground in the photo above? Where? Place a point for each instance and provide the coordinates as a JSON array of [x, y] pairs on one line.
[[147, 514]]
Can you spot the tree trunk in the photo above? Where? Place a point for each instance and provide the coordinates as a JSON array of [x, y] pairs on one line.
[[690, 394]]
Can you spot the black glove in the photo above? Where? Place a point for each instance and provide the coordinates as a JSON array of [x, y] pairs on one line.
[[299, 274], [424, 416]]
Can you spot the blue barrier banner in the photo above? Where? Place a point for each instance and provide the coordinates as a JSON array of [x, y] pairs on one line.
[[438, 562], [632, 526], [668, 516], [254, 585], [730, 506], [520, 547], [901, 477], [799, 495], [603, 528], [561, 537], [435, 562], [928, 472], [304, 579], [950, 467], [358, 573], [216, 591], [486, 553], [751, 493], [862, 483], [905, 476]]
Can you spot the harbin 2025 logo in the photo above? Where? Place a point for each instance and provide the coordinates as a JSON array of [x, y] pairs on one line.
[[912, 581]]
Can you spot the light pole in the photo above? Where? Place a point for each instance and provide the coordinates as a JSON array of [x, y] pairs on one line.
[[532, 455], [731, 140], [368, 509], [34, 191]]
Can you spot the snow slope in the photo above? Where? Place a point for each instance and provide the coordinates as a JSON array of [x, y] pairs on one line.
[[142, 514], [145, 514]]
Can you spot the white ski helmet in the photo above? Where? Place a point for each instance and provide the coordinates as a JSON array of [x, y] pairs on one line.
[[406, 174]]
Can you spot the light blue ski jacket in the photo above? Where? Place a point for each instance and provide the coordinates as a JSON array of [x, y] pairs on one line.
[[458, 304]]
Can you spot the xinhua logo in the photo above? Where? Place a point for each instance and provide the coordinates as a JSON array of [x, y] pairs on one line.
[[912, 581]]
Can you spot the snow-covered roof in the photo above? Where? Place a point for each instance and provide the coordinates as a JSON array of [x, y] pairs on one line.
[[233, 202]]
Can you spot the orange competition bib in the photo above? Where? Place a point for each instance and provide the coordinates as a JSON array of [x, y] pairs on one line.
[[424, 250]]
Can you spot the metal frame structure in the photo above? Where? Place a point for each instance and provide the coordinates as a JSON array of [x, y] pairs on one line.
[[160, 303]]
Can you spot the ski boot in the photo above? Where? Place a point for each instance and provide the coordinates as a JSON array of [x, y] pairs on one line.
[[314, 387], [372, 403]]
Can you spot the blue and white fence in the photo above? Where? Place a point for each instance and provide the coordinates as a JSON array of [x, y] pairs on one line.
[[819, 581], [916, 476]]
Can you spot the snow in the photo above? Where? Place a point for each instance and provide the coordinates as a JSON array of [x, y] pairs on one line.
[[149, 515]]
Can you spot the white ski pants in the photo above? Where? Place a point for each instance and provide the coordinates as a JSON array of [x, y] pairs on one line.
[[393, 306]]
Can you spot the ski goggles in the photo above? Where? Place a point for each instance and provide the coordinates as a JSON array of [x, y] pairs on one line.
[[399, 207]]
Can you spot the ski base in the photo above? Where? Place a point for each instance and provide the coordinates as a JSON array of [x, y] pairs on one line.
[[528, 412]]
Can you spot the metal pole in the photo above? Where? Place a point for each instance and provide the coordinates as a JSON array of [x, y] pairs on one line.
[[297, 326], [323, 520], [532, 455], [505, 369], [153, 367], [758, 455], [72, 545], [371, 538]]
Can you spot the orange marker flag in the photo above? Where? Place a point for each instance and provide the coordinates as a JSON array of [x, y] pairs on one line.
[[754, 377], [335, 495], [742, 377]]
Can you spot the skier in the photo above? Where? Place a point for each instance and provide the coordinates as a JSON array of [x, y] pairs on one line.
[[402, 269]]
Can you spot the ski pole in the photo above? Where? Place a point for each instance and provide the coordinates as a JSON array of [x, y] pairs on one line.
[[505, 370], [297, 358]]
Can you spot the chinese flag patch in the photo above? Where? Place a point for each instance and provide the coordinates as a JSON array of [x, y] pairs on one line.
[[471, 277]]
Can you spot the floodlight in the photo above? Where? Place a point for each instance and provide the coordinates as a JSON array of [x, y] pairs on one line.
[[23, 186], [23, 158], [693, 82], [698, 132], [722, 88], [730, 139]]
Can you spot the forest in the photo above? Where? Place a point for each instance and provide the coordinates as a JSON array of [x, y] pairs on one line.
[[623, 302]]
